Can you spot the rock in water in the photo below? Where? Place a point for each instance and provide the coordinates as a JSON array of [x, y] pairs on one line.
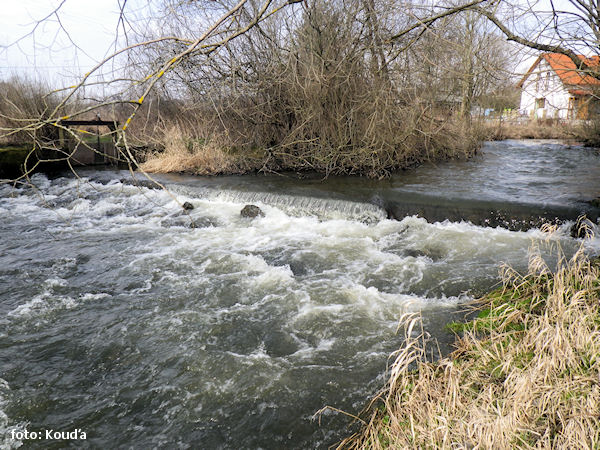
[[188, 206], [251, 211]]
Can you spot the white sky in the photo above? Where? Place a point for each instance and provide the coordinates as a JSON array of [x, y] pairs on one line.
[[48, 53]]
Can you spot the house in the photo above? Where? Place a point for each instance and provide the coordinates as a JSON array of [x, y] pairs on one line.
[[554, 88]]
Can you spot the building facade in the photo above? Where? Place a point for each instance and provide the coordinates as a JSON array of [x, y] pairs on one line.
[[554, 88]]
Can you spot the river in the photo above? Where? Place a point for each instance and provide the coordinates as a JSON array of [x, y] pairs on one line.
[[145, 326]]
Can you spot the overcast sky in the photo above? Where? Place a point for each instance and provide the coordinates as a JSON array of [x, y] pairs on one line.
[[48, 52]]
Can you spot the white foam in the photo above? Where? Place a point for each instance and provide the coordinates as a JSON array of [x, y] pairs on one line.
[[91, 297], [42, 304], [275, 276], [48, 301], [7, 427], [308, 352], [35, 304], [324, 208], [322, 261]]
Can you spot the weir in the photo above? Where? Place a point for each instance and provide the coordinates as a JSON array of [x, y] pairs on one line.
[[513, 216], [390, 204], [295, 205]]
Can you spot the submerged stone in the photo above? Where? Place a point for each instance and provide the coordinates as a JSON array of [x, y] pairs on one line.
[[278, 344], [188, 206], [251, 211]]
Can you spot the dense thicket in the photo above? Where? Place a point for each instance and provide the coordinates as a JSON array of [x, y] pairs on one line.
[[324, 87], [344, 86]]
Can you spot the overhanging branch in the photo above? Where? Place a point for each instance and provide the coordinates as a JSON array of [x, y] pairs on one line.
[[430, 20], [577, 60]]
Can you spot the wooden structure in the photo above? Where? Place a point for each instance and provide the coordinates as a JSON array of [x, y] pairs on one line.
[[89, 152]]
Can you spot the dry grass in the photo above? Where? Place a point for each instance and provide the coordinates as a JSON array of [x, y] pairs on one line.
[[549, 129], [526, 372], [23, 103], [198, 156]]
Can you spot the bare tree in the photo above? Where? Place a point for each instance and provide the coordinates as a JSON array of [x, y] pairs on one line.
[[225, 22], [572, 29], [346, 86]]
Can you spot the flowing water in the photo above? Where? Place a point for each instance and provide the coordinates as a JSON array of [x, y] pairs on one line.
[[145, 326]]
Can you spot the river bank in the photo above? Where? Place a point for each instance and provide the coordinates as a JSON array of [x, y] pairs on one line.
[[571, 133], [181, 152], [348, 153], [524, 373]]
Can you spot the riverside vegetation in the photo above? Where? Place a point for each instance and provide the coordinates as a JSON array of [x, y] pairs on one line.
[[587, 132], [525, 372], [353, 88], [324, 88]]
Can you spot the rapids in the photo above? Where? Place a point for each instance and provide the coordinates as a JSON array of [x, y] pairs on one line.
[[145, 326]]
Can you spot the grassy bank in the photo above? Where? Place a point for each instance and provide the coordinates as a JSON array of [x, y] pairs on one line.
[[12, 158], [526, 372], [187, 150], [587, 133]]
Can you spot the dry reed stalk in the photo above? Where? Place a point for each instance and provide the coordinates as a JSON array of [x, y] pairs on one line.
[[526, 372], [183, 154], [533, 130]]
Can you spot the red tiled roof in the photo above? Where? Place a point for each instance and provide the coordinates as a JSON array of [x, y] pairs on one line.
[[574, 80], [567, 71]]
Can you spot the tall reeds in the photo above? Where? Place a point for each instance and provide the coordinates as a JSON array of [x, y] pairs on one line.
[[185, 153]]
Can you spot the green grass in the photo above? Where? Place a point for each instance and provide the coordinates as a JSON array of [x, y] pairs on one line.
[[14, 154], [12, 158]]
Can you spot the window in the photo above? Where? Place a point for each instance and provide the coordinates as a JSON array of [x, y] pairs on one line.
[[570, 111], [540, 103], [547, 83], [537, 81]]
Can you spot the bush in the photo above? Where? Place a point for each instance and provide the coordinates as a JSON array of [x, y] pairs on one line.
[[319, 102], [23, 105]]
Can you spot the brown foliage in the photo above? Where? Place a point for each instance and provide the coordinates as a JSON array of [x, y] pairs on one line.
[[326, 103], [24, 106]]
